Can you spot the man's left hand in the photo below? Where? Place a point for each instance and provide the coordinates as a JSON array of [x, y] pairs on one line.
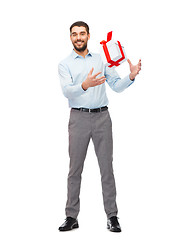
[[134, 69]]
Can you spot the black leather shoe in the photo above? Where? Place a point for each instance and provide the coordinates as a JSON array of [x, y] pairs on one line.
[[69, 224], [113, 224]]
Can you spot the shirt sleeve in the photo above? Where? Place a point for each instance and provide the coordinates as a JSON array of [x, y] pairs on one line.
[[116, 83], [68, 88]]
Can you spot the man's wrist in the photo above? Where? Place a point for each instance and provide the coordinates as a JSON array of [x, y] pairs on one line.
[[84, 86], [131, 76]]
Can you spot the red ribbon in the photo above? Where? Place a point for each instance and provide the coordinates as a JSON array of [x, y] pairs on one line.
[[106, 51]]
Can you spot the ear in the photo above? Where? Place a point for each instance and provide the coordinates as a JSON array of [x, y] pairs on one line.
[[88, 36]]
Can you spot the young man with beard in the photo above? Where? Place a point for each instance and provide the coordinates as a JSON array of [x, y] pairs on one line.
[[83, 76]]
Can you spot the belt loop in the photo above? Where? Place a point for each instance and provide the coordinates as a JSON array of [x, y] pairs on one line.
[[89, 110]]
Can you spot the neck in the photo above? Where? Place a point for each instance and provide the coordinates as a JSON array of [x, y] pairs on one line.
[[83, 54]]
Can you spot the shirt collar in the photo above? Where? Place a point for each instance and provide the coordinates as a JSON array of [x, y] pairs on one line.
[[75, 55]]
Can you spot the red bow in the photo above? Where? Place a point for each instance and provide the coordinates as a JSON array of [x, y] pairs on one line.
[[106, 51]]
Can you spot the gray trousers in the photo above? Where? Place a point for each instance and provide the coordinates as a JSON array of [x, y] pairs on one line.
[[84, 126]]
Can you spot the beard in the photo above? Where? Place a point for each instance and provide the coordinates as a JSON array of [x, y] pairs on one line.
[[81, 48]]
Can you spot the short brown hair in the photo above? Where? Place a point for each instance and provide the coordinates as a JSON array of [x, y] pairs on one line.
[[80, 24]]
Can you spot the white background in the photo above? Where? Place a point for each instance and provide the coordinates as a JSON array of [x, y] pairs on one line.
[[152, 120]]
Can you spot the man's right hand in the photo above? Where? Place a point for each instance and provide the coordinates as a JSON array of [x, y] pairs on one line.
[[92, 81]]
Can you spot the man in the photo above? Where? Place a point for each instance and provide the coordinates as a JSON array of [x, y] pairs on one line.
[[83, 76]]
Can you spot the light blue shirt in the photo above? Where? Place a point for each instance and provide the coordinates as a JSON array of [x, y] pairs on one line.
[[74, 69]]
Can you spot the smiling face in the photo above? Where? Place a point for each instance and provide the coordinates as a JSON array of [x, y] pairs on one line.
[[79, 38]]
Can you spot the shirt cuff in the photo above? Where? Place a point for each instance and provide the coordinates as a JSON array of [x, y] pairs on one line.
[[81, 89], [132, 80]]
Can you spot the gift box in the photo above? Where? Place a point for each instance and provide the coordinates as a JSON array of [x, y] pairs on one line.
[[112, 53]]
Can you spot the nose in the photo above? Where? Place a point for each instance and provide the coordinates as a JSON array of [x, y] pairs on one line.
[[78, 36]]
